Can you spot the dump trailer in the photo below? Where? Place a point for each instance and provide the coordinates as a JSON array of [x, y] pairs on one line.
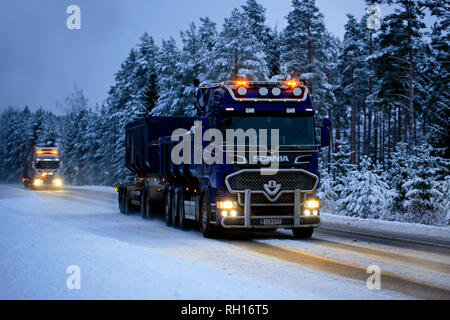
[[42, 170], [248, 160]]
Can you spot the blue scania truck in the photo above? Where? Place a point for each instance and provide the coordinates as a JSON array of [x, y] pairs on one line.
[[264, 178]]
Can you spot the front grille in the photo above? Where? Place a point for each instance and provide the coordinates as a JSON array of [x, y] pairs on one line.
[[289, 179], [261, 199]]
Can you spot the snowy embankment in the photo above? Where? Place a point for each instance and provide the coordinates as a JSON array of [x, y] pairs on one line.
[[393, 227]]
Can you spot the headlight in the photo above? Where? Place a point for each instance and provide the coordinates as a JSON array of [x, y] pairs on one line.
[[312, 204], [227, 204], [57, 182], [37, 182]]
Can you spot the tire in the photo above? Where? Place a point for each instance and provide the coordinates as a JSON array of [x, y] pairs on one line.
[[174, 205], [206, 228], [303, 233], [182, 222], [120, 200], [142, 205], [148, 207], [126, 204], [168, 206]]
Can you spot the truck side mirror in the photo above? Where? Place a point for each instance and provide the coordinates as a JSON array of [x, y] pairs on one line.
[[325, 136], [326, 122], [196, 83]]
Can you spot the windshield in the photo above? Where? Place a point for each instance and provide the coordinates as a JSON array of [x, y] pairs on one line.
[[47, 165], [292, 130]]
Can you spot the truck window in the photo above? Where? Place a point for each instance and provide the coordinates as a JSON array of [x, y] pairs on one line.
[[292, 130], [47, 165]]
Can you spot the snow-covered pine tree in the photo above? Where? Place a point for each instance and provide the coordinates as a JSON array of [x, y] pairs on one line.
[[238, 52], [423, 199], [304, 45], [365, 195], [170, 83], [146, 77], [400, 42], [352, 67], [435, 71], [256, 15]]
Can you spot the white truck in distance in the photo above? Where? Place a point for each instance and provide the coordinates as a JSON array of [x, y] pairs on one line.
[[43, 170]]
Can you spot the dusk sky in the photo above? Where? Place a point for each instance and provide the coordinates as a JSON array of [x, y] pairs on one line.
[[41, 60]]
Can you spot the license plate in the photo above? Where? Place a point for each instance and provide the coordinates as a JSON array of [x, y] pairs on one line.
[[271, 221]]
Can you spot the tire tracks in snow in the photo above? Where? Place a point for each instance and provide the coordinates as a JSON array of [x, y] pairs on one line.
[[389, 281]]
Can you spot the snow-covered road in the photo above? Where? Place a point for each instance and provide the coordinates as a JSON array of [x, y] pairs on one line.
[[42, 233]]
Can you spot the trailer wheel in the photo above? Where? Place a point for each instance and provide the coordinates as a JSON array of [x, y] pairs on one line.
[[175, 206], [148, 208], [126, 203], [182, 222], [120, 200], [206, 228], [303, 233], [168, 206], [142, 205]]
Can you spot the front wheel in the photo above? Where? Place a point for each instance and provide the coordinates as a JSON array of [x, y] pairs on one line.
[[303, 233], [206, 228]]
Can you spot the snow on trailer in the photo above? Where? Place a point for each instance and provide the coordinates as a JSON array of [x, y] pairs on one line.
[[236, 194]]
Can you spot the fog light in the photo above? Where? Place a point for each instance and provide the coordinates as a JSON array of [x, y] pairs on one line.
[[227, 204], [307, 212], [224, 213], [233, 213], [312, 204], [315, 213]]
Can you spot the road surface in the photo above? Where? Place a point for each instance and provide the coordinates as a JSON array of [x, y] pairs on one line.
[[42, 233]]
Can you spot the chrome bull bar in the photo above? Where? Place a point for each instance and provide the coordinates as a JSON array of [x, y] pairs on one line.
[[247, 217]]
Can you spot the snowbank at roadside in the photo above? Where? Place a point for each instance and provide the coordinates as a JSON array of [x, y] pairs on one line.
[[375, 225]]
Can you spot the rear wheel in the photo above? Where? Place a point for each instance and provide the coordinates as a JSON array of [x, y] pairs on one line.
[[205, 218], [143, 200], [174, 205], [303, 233], [168, 206], [182, 222], [148, 208], [126, 203], [120, 200]]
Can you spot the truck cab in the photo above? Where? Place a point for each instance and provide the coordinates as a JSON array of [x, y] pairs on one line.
[[43, 170], [264, 174]]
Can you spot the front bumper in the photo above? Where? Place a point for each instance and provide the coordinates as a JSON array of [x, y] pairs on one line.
[[300, 183]]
